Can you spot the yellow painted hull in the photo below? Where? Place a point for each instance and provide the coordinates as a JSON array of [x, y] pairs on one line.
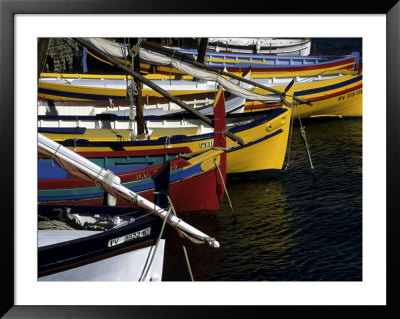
[[98, 91], [331, 98], [268, 155], [264, 149], [344, 105]]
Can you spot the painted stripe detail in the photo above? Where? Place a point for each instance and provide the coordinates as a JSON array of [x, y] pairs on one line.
[[255, 141], [329, 87], [92, 192], [81, 95]]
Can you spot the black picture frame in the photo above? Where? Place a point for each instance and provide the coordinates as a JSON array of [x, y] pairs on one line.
[[9, 8]]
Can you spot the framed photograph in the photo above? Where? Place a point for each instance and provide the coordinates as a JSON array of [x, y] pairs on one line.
[[365, 284]]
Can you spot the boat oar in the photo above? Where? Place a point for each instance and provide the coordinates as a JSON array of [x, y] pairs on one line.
[[150, 84], [82, 167]]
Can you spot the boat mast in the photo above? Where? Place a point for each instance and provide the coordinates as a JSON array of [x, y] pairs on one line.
[[138, 97], [202, 49]]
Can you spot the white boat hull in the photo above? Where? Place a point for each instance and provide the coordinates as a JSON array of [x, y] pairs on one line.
[[128, 266]]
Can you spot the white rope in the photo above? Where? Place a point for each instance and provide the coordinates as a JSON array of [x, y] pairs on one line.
[[110, 101], [54, 155], [108, 178]]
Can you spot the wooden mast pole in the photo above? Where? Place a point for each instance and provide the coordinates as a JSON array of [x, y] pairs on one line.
[[138, 97], [202, 49]]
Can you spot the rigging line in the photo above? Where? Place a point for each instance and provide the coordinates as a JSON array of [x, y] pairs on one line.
[[303, 135], [142, 278], [183, 246], [290, 141], [226, 191], [170, 68]]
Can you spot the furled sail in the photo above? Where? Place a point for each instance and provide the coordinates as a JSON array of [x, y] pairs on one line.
[[83, 168], [120, 50]]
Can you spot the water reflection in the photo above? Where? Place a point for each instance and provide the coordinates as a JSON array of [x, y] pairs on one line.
[[291, 227]]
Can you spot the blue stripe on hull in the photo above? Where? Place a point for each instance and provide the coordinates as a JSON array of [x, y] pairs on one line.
[[255, 141], [176, 139], [330, 87], [148, 184]]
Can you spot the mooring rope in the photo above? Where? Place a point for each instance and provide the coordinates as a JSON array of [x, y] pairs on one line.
[[290, 141], [46, 224], [142, 278], [226, 191], [303, 135], [183, 246]]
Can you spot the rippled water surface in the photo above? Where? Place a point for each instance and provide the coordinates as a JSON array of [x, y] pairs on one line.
[[291, 227]]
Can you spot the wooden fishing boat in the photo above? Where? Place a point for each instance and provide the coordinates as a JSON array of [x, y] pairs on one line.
[[187, 181], [136, 159], [331, 94], [265, 137], [196, 184], [341, 97], [262, 46], [112, 89], [92, 87], [80, 167], [154, 105], [98, 243], [282, 46], [269, 65], [261, 65], [121, 126]]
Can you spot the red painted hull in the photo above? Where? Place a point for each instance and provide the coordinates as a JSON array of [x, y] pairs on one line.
[[203, 192]]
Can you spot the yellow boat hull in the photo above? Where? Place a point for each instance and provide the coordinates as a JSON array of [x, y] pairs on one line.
[[264, 146], [341, 97], [264, 156]]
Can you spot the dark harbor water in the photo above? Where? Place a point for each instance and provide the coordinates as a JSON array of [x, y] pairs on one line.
[[291, 227]]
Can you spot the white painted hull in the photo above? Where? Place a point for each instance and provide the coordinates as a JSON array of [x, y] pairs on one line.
[[294, 47], [235, 105], [128, 266]]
